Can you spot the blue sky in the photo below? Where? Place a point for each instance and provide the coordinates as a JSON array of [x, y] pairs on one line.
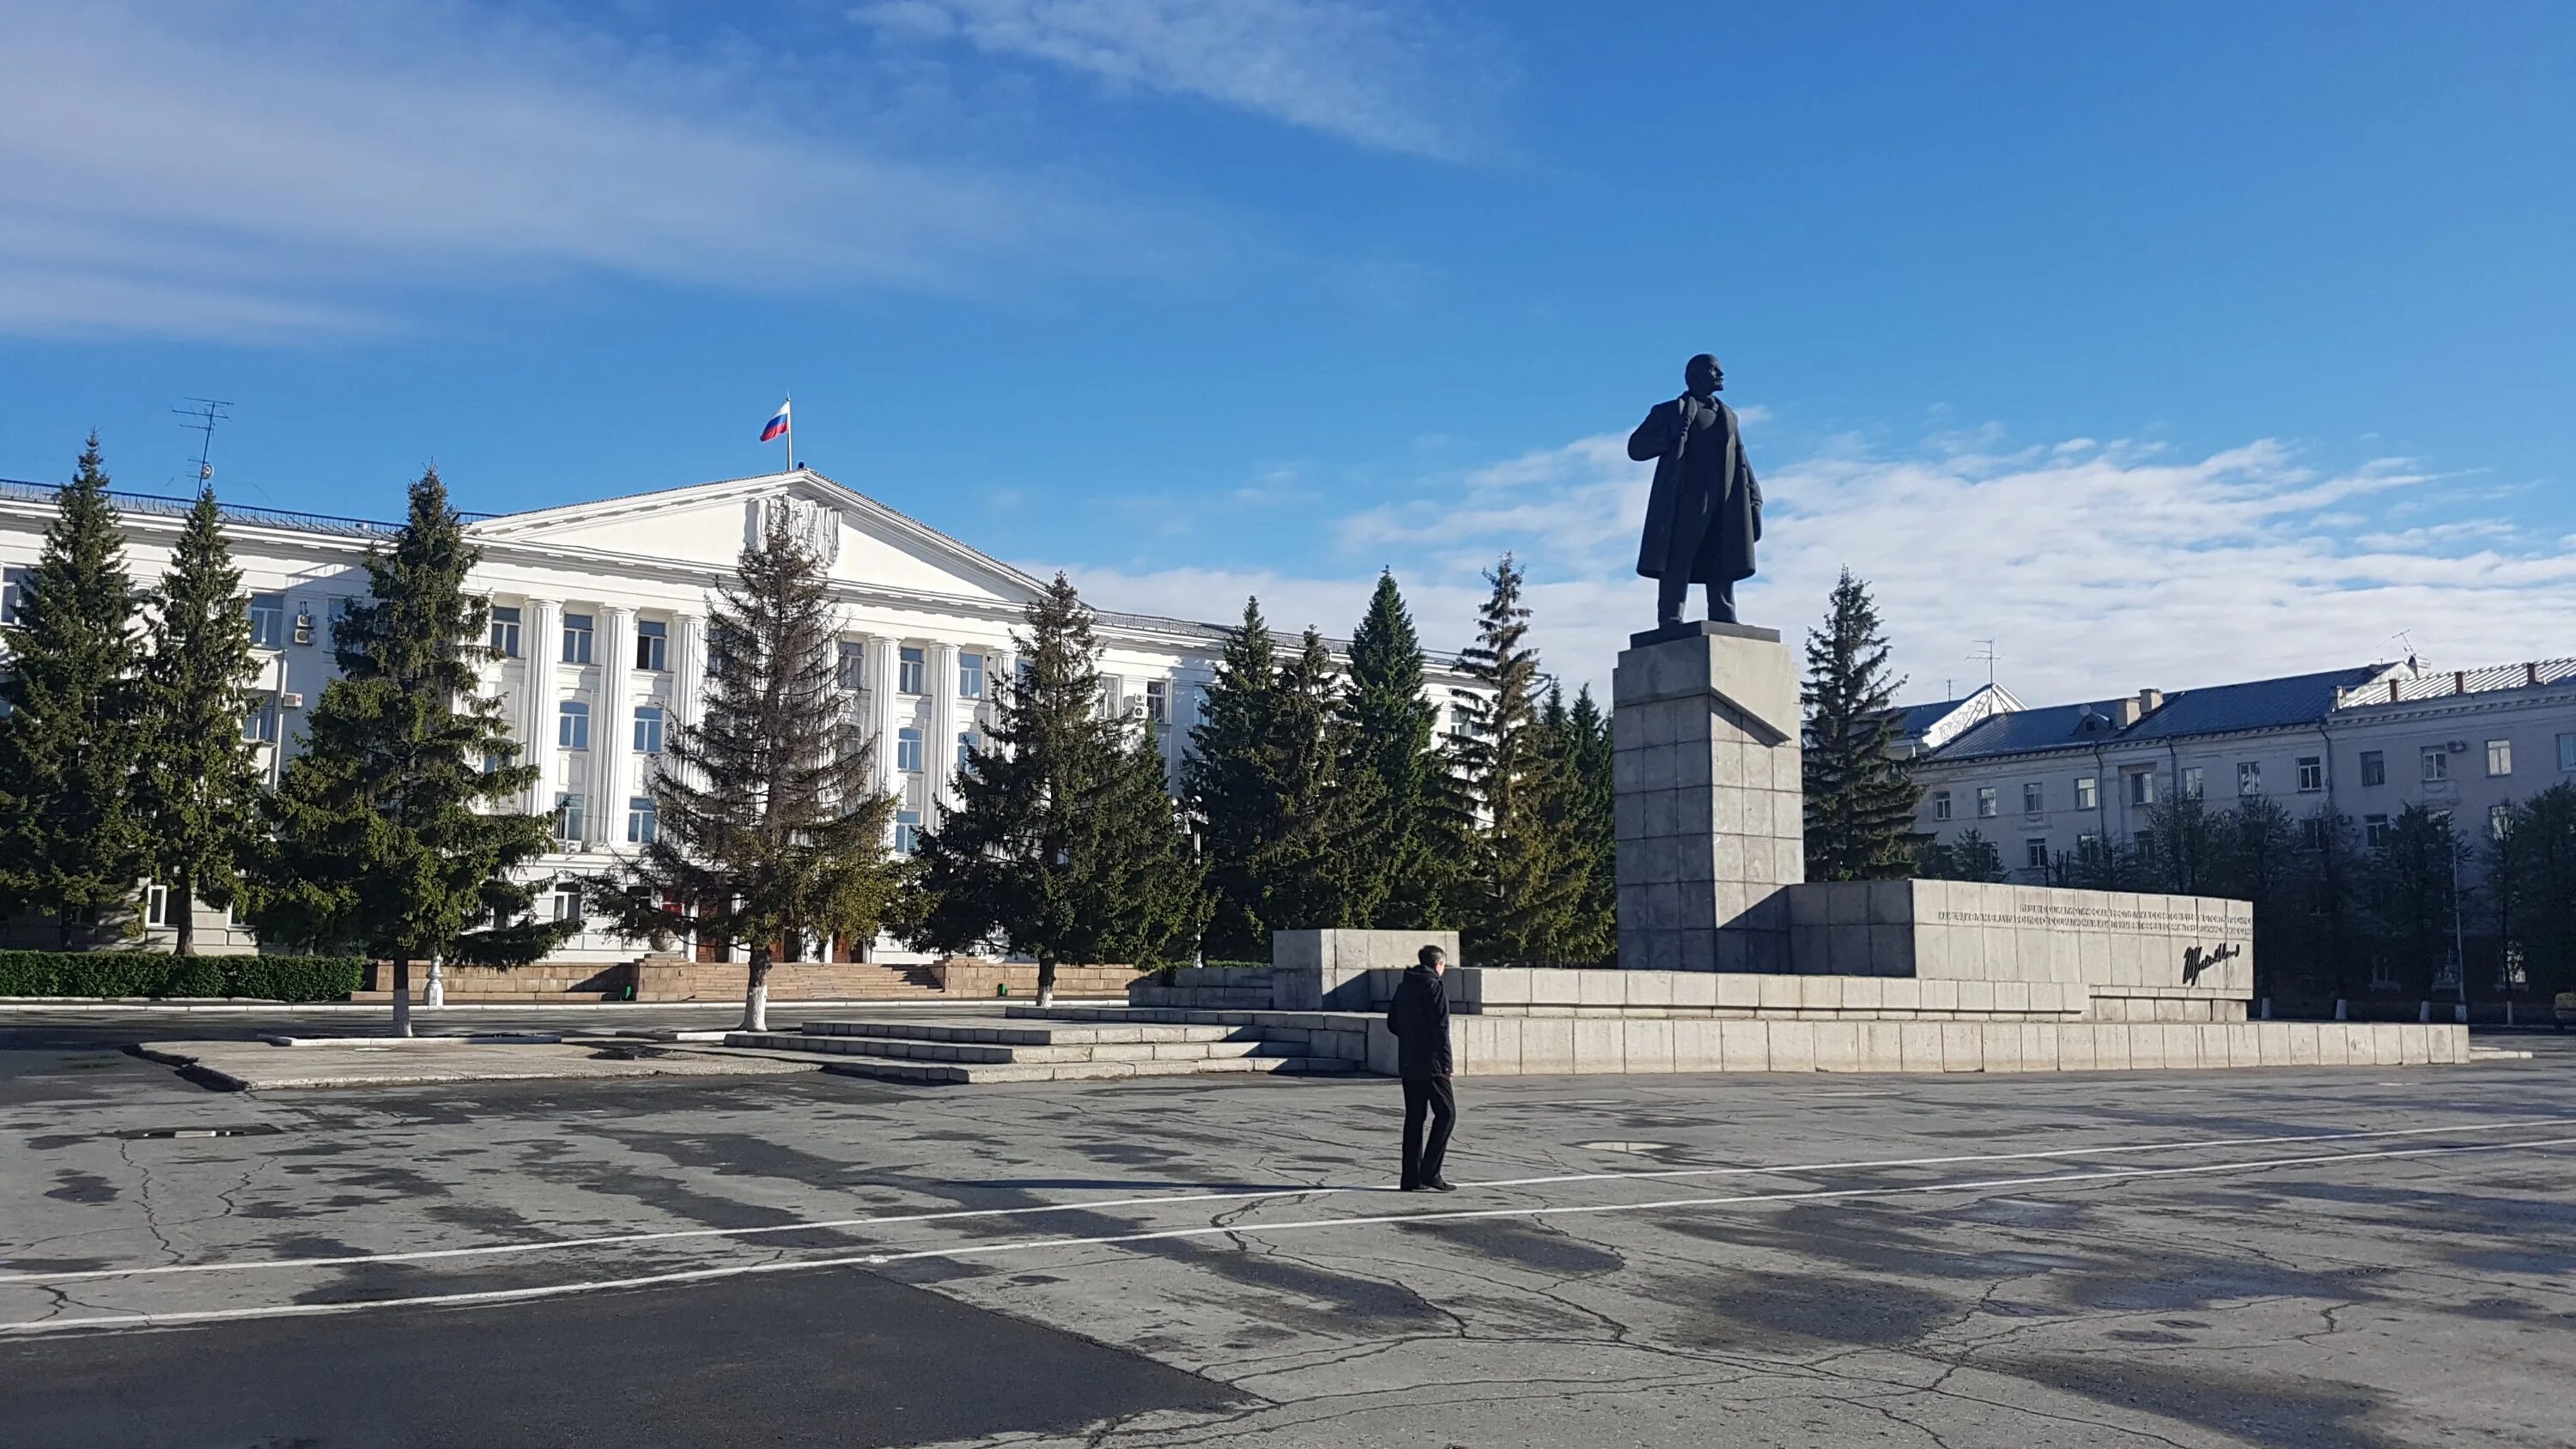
[[2164, 344]]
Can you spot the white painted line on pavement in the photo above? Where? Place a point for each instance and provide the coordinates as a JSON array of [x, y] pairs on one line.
[[542, 1245], [977, 1250]]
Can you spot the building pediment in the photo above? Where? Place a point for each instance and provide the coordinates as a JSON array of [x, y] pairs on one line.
[[860, 540]]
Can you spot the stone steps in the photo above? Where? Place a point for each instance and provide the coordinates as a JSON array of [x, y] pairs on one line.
[[1073, 1034], [858, 1060], [949, 1049]]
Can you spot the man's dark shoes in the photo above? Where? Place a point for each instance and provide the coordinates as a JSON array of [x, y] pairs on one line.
[[1439, 1184], [1409, 1187]]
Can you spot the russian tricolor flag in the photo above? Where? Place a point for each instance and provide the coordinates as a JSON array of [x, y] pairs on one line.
[[777, 425]]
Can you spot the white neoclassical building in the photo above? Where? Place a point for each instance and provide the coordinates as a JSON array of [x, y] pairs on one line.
[[598, 613]]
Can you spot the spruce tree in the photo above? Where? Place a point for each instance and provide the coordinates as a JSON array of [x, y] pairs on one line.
[[1231, 783], [767, 818], [1407, 853], [1065, 843], [1970, 857], [198, 783], [1860, 803], [1594, 934], [390, 835], [1310, 872], [70, 845], [1526, 879]]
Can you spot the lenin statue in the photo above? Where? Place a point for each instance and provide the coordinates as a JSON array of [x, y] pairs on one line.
[[1705, 511]]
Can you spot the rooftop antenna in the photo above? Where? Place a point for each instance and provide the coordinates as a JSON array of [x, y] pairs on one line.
[[2406, 642], [207, 412], [1986, 654]]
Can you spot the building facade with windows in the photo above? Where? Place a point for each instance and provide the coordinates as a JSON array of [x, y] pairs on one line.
[[598, 613], [2363, 743]]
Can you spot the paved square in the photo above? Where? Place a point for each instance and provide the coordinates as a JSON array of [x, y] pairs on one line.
[[2344, 1259]]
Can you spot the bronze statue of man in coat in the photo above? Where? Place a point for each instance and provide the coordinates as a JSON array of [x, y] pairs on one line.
[[1705, 512]]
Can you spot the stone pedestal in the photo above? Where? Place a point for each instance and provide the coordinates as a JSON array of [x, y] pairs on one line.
[[1710, 798]]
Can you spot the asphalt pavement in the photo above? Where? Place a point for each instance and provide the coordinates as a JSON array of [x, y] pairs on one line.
[[2345, 1259]]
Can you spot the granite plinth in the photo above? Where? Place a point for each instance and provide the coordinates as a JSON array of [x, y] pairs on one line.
[[1708, 799]]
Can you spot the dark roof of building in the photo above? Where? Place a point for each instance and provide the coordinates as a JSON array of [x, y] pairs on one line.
[[2218, 709], [1913, 719]]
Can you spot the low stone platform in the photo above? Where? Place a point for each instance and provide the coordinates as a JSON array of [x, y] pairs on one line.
[[431, 1061], [1062, 1044], [1513, 1021]]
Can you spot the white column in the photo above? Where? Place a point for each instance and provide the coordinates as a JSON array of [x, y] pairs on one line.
[[939, 752], [612, 728], [688, 667], [881, 698], [540, 640]]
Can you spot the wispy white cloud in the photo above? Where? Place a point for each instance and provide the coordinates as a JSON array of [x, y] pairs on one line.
[[1381, 74], [2097, 566], [235, 169]]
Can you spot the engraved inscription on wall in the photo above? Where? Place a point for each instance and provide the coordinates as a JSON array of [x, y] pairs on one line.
[[2056, 917]]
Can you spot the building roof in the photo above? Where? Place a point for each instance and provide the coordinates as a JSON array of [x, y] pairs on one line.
[[2217, 709]]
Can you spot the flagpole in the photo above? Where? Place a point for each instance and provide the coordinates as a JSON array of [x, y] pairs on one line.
[[791, 432]]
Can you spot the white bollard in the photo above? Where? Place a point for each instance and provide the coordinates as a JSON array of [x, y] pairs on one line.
[[2339, 1006], [2267, 1008]]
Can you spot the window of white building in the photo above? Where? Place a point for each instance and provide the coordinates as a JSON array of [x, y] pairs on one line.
[[567, 818], [643, 821], [2437, 764], [907, 832], [2191, 783], [2249, 777], [2088, 795], [2034, 852], [2374, 830], [260, 725], [2499, 820], [2567, 752], [572, 725], [2499, 757], [907, 751], [2142, 785], [2312, 774], [850, 666], [966, 743], [652, 645], [1985, 802], [909, 668], [1940, 804], [567, 900], [505, 630], [2374, 767], [970, 676], [2032, 799], [2312, 833], [13, 590], [268, 620], [648, 729], [1113, 696], [1158, 701], [576, 638]]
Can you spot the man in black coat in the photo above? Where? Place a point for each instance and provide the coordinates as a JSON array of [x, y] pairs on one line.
[[1419, 1017], [1705, 511]]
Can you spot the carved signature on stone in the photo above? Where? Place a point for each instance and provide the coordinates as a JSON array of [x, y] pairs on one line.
[[2195, 960]]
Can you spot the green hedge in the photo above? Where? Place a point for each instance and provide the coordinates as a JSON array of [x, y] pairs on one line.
[[147, 973]]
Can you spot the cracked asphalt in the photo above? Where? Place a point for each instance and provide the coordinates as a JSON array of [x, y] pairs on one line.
[[2344, 1259]]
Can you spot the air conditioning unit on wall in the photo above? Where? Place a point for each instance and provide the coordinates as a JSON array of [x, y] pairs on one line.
[[2457, 747]]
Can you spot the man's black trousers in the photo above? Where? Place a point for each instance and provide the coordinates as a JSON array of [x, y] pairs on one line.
[[1426, 1095]]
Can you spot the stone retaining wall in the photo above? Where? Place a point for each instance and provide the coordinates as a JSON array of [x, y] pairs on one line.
[[1533, 1046]]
